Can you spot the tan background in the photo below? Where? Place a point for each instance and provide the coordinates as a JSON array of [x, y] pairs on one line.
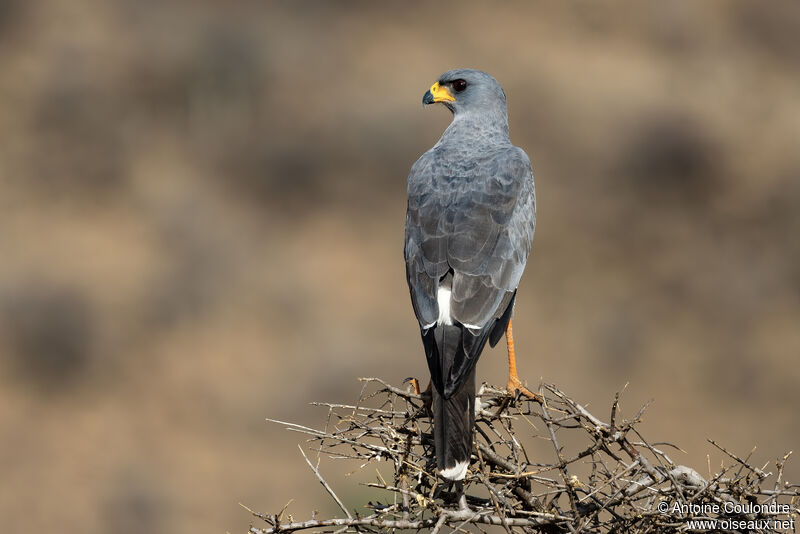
[[201, 218]]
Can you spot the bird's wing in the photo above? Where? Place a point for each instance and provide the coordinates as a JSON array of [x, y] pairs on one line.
[[425, 239], [476, 222], [493, 233]]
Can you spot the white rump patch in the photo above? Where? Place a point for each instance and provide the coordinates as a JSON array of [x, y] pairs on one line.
[[443, 299], [457, 472]]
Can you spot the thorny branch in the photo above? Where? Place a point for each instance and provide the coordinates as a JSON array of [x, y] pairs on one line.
[[602, 477]]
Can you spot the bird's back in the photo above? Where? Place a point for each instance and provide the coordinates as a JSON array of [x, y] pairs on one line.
[[470, 224]]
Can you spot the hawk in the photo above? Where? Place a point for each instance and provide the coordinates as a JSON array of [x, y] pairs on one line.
[[469, 229]]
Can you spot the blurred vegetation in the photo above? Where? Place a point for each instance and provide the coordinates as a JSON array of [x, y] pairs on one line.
[[201, 217]]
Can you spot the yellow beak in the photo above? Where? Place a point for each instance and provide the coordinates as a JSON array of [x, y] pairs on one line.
[[437, 93]]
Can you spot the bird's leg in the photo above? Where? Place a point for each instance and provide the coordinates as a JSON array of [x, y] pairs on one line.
[[514, 385], [426, 395]]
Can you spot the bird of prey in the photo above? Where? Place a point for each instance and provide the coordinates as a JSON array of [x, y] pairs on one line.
[[469, 228]]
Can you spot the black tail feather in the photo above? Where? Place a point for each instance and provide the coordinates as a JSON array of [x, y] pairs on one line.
[[453, 422]]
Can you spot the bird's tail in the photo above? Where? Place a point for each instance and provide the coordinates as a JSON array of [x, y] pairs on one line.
[[453, 421]]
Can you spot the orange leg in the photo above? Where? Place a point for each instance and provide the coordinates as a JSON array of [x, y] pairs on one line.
[[426, 395], [415, 385], [514, 385]]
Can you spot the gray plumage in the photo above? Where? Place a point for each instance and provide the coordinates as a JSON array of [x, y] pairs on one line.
[[469, 228]]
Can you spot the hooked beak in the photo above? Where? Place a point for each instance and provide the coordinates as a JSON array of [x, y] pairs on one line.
[[437, 93]]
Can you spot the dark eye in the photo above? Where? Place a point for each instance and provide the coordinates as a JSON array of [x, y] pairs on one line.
[[459, 85]]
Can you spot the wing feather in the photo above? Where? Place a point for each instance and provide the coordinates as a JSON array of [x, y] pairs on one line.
[[475, 220]]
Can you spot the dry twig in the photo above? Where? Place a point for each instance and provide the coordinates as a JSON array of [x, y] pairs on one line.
[[588, 488]]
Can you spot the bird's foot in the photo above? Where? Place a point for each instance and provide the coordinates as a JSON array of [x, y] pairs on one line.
[[414, 385], [425, 395], [515, 388]]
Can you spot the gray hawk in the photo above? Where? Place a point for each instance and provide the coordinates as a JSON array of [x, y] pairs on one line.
[[469, 229]]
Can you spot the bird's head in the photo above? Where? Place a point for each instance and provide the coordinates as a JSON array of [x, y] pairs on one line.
[[465, 91]]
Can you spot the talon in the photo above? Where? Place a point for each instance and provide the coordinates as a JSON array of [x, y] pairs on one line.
[[517, 390]]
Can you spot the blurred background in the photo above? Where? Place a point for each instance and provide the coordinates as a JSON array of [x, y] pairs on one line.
[[201, 225]]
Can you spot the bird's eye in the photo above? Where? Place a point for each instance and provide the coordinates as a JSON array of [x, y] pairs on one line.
[[459, 85]]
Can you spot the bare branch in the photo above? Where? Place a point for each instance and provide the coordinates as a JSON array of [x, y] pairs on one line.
[[324, 484], [590, 488]]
